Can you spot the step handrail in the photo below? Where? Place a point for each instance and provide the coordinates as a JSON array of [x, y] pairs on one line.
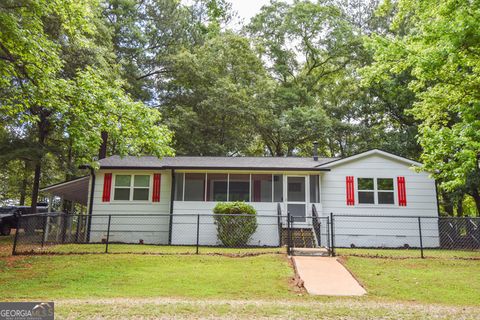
[[316, 225], [279, 222]]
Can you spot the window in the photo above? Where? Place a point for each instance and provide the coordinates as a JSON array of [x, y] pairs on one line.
[[141, 187], [375, 191], [314, 189], [366, 191], [262, 187], [194, 187], [217, 186], [239, 187], [122, 187], [385, 191], [132, 187]]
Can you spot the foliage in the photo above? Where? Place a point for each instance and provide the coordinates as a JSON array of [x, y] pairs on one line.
[[214, 96], [236, 223], [56, 93], [440, 53]]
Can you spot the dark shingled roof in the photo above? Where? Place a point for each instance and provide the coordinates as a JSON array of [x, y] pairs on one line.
[[272, 163]]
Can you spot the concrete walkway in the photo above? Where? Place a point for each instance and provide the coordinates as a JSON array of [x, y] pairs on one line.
[[326, 276]]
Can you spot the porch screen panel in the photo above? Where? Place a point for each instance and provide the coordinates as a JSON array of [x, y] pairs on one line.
[[194, 187], [178, 186], [262, 185], [239, 187], [277, 188], [217, 186], [314, 189]]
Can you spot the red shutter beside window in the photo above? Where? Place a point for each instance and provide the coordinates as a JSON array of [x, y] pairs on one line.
[[157, 179], [107, 187], [350, 191], [402, 194]]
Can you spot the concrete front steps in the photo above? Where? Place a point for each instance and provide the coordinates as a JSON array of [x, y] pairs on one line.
[[301, 237]]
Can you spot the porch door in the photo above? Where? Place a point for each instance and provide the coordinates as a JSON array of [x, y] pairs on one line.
[[296, 197]]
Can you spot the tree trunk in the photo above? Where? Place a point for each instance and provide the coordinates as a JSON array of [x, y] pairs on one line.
[[447, 204], [476, 197], [36, 184], [24, 184], [23, 191], [460, 207], [102, 153], [43, 125]]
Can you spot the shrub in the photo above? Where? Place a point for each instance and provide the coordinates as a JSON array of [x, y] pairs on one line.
[[235, 231]]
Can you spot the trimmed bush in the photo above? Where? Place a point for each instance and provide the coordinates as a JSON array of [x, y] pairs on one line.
[[232, 230]]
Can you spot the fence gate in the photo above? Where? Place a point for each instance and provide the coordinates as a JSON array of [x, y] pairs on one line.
[[309, 236]]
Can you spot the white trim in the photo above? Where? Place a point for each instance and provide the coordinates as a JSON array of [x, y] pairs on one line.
[[65, 183], [369, 153]]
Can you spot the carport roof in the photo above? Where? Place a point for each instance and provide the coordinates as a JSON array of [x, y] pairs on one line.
[[73, 190]]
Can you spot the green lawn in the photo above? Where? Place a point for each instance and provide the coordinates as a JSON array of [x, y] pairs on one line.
[[409, 253], [444, 281], [153, 249], [211, 285], [87, 276]]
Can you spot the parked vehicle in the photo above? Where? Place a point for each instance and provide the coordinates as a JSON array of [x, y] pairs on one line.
[[9, 217]]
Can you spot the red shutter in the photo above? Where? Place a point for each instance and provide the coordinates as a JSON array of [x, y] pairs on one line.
[[157, 179], [402, 193], [107, 187], [350, 191]]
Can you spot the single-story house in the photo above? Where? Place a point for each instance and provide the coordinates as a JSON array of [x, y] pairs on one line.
[[372, 183]]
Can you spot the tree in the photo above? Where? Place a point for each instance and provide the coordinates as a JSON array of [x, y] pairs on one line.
[[145, 34], [46, 101], [441, 55], [213, 98], [308, 46]]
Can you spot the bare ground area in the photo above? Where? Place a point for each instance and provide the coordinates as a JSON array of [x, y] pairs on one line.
[[154, 308]]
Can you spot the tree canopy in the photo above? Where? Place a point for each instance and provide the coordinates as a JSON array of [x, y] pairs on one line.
[[165, 76]]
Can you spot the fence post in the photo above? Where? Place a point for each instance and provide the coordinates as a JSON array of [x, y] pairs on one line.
[[332, 235], [45, 231], [198, 231], [421, 239], [15, 239], [108, 233], [289, 234]]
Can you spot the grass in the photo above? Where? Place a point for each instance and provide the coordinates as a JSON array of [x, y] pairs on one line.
[[444, 281], [154, 249], [202, 286], [87, 276], [409, 253], [253, 309]]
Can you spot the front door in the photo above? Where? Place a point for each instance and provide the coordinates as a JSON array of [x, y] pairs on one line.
[[296, 197]]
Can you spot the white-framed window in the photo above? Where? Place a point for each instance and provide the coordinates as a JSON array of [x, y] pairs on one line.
[[385, 191], [131, 187], [380, 191]]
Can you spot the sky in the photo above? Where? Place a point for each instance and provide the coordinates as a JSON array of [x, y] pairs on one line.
[[246, 9]]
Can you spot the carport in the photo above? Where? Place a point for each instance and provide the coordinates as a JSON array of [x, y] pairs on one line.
[[73, 224], [75, 191]]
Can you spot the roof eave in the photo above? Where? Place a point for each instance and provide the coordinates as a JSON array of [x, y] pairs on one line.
[[213, 168], [370, 152]]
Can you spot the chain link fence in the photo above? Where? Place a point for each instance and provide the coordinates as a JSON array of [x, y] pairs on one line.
[[336, 234], [405, 236], [60, 233]]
